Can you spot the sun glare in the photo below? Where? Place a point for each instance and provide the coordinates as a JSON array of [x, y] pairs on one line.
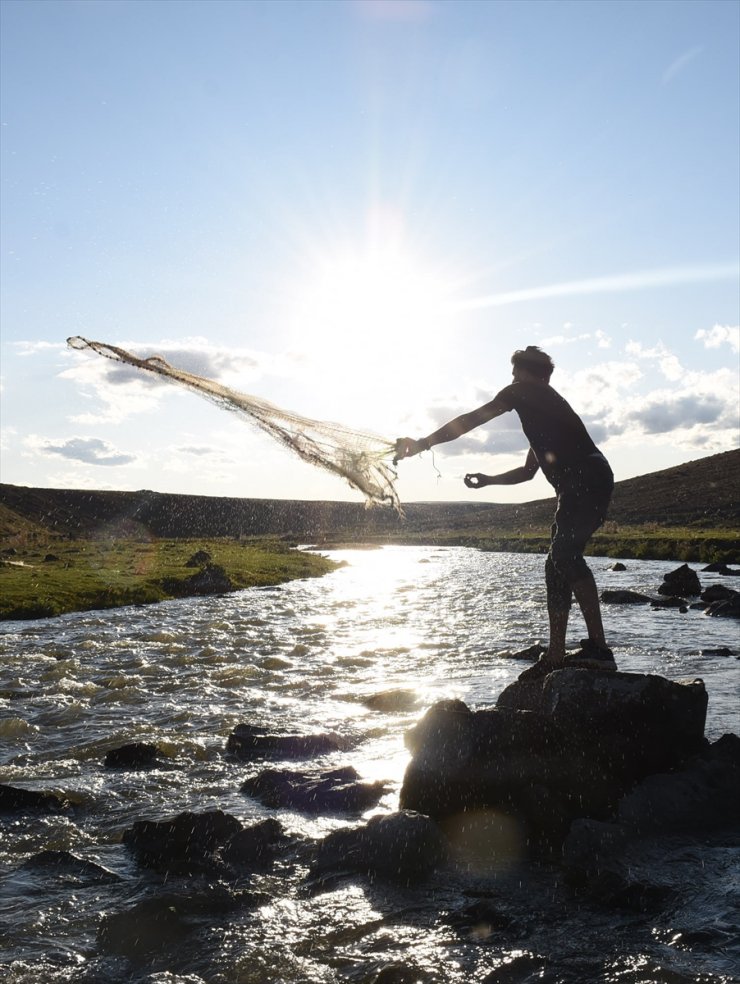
[[376, 310]]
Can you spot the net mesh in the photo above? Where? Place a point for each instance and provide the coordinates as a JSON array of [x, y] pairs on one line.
[[360, 458]]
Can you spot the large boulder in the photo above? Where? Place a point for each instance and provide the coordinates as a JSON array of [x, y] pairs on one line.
[[633, 858], [556, 748]]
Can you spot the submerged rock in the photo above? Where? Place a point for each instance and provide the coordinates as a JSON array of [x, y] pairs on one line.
[[16, 800], [390, 701], [70, 867], [625, 597], [337, 791], [160, 922], [249, 741], [554, 749], [400, 847], [135, 755]]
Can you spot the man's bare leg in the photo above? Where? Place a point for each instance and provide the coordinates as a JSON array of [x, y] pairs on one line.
[[587, 596], [558, 627]]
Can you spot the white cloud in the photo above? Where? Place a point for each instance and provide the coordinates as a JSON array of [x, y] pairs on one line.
[[668, 363], [720, 335], [89, 450], [120, 390]]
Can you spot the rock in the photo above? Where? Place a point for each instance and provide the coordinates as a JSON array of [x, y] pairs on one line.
[[391, 701], [673, 601], [531, 654], [553, 749], [703, 795], [338, 791], [249, 742], [158, 923], [213, 842], [50, 558], [720, 600], [70, 867], [186, 843], [617, 566], [212, 579], [592, 844], [15, 800], [400, 847], [136, 755], [625, 597], [718, 592], [723, 651], [721, 569], [199, 559], [730, 608], [682, 582], [256, 846]]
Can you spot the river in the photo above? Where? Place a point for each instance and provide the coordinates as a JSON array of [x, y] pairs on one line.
[[304, 657]]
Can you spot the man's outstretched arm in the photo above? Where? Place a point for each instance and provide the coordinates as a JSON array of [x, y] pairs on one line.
[[406, 447], [524, 473]]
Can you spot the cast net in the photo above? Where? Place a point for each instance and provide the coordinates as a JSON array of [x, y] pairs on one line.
[[360, 458]]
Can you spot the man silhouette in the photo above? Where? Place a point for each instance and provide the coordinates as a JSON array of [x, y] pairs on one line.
[[561, 446]]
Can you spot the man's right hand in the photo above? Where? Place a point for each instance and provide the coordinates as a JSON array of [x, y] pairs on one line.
[[407, 447], [476, 480]]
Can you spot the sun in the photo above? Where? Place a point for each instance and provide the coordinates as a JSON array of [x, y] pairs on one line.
[[378, 309]]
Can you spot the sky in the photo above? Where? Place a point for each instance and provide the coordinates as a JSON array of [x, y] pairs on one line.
[[358, 209]]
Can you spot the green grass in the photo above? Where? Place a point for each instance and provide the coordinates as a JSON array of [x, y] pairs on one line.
[[92, 574], [649, 542]]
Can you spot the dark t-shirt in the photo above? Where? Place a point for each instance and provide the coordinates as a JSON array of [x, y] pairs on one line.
[[554, 430]]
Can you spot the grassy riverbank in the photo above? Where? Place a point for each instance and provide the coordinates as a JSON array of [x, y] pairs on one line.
[[682, 544], [52, 576], [115, 548]]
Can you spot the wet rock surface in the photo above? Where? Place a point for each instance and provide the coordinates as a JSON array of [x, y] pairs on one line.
[[14, 799], [193, 843], [135, 755], [335, 791], [553, 750], [253, 742], [402, 847]]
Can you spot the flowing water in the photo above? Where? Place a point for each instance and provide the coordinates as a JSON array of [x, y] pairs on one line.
[[304, 658]]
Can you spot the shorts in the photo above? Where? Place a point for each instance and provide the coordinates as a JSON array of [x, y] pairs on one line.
[[584, 492]]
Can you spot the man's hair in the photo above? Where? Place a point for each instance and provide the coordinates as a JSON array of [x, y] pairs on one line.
[[535, 361]]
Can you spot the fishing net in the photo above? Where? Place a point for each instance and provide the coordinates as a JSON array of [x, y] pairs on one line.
[[362, 459]]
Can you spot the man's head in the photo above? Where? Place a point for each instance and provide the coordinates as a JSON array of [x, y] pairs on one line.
[[533, 360]]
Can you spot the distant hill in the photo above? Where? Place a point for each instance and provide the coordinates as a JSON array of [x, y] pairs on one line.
[[703, 495]]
